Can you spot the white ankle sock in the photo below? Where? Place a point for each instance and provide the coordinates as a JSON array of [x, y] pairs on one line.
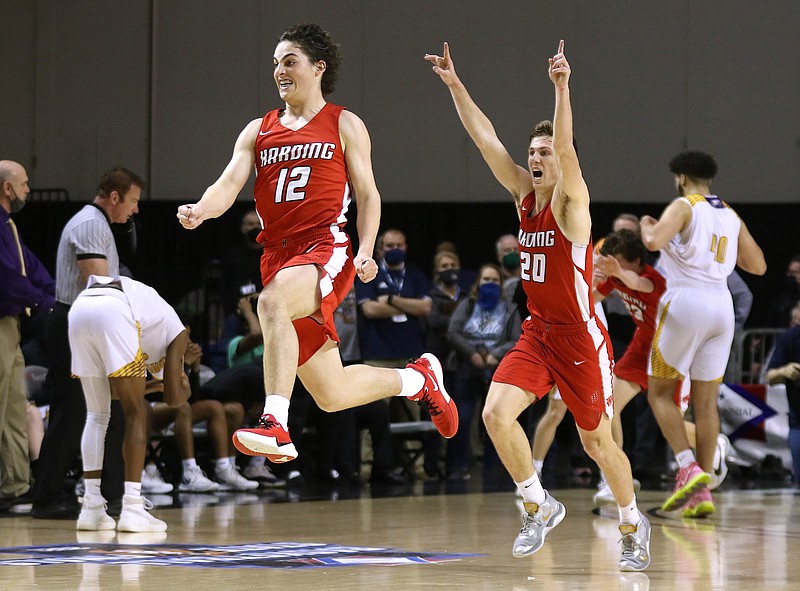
[[685, 458], [531, 489], [92, 487], [411, 382], [221, 464], [539, 465], [133, 489], [629, 515], [278, 407], [257, 461], [189, 464]]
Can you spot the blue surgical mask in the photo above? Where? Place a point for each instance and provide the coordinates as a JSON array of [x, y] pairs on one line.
[[489, 296], [394, 256]]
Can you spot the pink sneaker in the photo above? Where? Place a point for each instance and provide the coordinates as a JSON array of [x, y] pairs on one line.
[[688, 481], [441, 407], [701, 504], [269, 438]]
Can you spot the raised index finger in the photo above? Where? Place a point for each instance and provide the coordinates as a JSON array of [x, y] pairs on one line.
[[446, 51], [561, 46]]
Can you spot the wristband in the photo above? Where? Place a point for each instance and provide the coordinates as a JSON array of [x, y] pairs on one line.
[[389, 299]]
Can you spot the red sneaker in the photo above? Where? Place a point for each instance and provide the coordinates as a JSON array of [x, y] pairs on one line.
[[441, 407], [269, 439], [688, 481]]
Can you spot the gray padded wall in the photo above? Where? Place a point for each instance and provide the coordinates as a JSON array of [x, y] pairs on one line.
[[164, 87]]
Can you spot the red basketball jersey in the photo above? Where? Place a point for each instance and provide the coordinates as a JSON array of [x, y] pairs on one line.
[[642, 306], [556, 273], [301, 176]]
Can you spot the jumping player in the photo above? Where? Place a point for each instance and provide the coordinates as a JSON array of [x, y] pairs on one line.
[[562, 342], [307, 156]]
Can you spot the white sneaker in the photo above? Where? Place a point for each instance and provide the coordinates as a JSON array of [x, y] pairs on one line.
[[195, 480], [93, 515], [230, 479], [152, 481], [720, 461], [604, 496], [263, 475], [135, 518]]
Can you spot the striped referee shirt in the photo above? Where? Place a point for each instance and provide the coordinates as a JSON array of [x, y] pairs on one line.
[[87, 235]]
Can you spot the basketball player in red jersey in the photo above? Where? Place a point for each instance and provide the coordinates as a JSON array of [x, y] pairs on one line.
[[562, 342], [307, 156]]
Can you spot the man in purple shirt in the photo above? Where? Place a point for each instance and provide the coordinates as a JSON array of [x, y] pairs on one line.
[[26, 287]]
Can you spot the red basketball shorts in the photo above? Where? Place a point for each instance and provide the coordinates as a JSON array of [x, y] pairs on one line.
[[575, 357], [632, 367], [328, 249]]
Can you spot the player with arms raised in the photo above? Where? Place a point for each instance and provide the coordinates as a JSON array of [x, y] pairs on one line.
[[562, 342]]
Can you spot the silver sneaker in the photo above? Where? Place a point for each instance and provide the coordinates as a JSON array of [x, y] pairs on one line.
[[635, 546], [535, 526], [195, 480], [263, 475], [230, 479]]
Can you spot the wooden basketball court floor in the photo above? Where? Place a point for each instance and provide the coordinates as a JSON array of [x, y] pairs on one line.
[[415, 541]]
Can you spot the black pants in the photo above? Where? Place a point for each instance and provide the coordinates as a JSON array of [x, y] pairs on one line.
[[62, 440]]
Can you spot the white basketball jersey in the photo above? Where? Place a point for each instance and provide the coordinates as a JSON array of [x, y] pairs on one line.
[[704, 254]]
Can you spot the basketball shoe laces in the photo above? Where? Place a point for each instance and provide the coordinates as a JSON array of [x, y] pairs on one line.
[[535, 520], [430, 405], [630, 544], [267, 422]]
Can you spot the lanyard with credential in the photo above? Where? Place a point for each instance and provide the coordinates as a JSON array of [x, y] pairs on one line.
[[395, 286]]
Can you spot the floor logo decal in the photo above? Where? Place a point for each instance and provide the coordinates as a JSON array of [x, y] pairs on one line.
[[268, 555]]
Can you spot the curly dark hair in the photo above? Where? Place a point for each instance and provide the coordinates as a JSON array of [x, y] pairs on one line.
[[318, 46], [626, 243], [695, 165]]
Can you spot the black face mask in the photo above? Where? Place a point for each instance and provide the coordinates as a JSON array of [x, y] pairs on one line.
[[394, 256], [449, 277], [252, 235], [17, 204]]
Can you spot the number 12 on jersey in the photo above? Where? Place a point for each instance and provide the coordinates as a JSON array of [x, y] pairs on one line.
[[532, 266], [291, 191]]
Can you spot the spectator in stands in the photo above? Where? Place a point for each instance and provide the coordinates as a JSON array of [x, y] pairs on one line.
[[26, 286], [241, 264], [222, 419], [392, 307], [466, 277], [483, 328], [507, 251], [784, 367], [788, 295], [248, 345]]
